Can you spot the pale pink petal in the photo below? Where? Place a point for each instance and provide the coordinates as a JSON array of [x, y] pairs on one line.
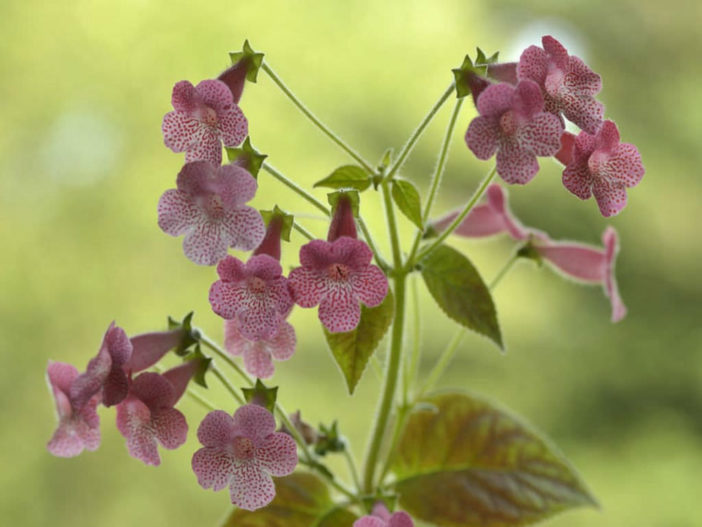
[[515, 164], [400, 519], [207, 148], [527, 99], [533, 64], [176, 212], [610, 196], [258, 361], [180, 376], [481, 221], [542, 135], [244, 228], [186, 99], [625, 165], [205, 244], [194, 179], [233, 126], [60, 376], [503, 72], [216, 430], [482, 137], [307, 286], [180, 132], [381, 511], [215, 94], [495, 100], [133, 422], [574, 260], [607, 138], [87, 384], [170, 428], [497, 200], [154, 390], [213, 467], [258, 321], [254, 422], [235, 185], [340, 310], [282, 345], [370, 521], [265, 267], [251, 488], [149, 348], [66, 442], [234, 343], [556, 52], [278, 454], [370, 285], [611, 243], [315, 254], [354, 253], [231, 269]]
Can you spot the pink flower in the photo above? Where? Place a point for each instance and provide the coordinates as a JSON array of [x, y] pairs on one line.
[[259, 354], [243, 453], [79, 425], [603, 167], [105, 372], [205, 116], [255, 294], [487, 219], [209, 208], [569, 86], [381, 517], [587, 264], [513, 124], [338, 276], [149, 348], [147, 417]]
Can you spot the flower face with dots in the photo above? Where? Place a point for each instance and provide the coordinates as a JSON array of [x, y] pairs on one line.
[[381, 517], [568, 84], [259, 354], [209, 208], [603, 167], [204, 117], [243, 452], [255, 294], [513, 123], [338, 276]]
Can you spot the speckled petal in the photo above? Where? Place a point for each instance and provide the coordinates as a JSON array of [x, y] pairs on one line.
[[264, 267], [254, 422], [207, 148], [533, 64], [244, 228], [66, 442], [354, 253], [278, 454], [542, 135], [194, 178], [527, 99], [228, 298], [585, 112], [556, 52], [515, 164], [482, 137], [215, 94], [370, 285], [186, 99], [282, 345], [154, 390], [251, 488], [495, 99], [213, 467], [340, 310], [400, 519], [180, 132], [133, 422], [176, 212], [258, 361], [235, 185], [170, 428], [233, 126], [581, 79], [216, 430], [610, 196], [204, 244], [625, 164], [308, 286], [577, 179]]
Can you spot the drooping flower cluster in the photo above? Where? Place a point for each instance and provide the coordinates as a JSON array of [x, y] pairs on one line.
[[578, 261], [243, 452], [381, 517], [524, 120]]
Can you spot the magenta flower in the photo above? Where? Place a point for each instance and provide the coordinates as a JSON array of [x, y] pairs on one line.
[[209, 208], [205, 116], [487, 219], [381, 517], [338, 276], [243, 452], [254, 294], [148, 417], [569, 85], [149, 348], [105, 372], [79, 425], [587, 264], [513, 123], [603, 167], [259, 354]]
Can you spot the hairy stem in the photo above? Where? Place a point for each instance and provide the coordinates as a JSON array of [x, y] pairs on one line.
[[319, 124], [409, 146]]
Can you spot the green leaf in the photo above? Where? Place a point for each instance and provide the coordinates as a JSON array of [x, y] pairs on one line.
[[203, 366], [406, 197], [261, 395], [255, 60], [473, 464], [460, 292], [353, 349], [302, 500], [191, 336], [287, 221], [329, 440], [250, 158], [348, 176]]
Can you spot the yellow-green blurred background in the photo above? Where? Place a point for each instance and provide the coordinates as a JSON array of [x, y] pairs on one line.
[[85, 84]]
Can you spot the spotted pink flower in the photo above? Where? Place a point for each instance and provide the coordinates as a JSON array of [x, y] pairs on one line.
[[205, 116], [255, 294], [148, 417], [603, 167], [259, 354], [487, 219], [209, 208], [337, 276], [513, 124], [105, 372], [79, 425], [587, 264], [243, 452], [381, 517], [568, 84]]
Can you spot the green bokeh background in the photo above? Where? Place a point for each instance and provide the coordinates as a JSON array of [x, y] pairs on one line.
[[85, 85]]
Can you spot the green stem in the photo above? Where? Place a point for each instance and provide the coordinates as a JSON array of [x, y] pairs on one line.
[[373, 247], [455, 223], [505, 269], [296, 188], [299, 228], [324, 128], [409, 146], [441, 364], [352, 468], [413, 364], [395, 355], [400, 418], [332, 481], [228, 385]]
